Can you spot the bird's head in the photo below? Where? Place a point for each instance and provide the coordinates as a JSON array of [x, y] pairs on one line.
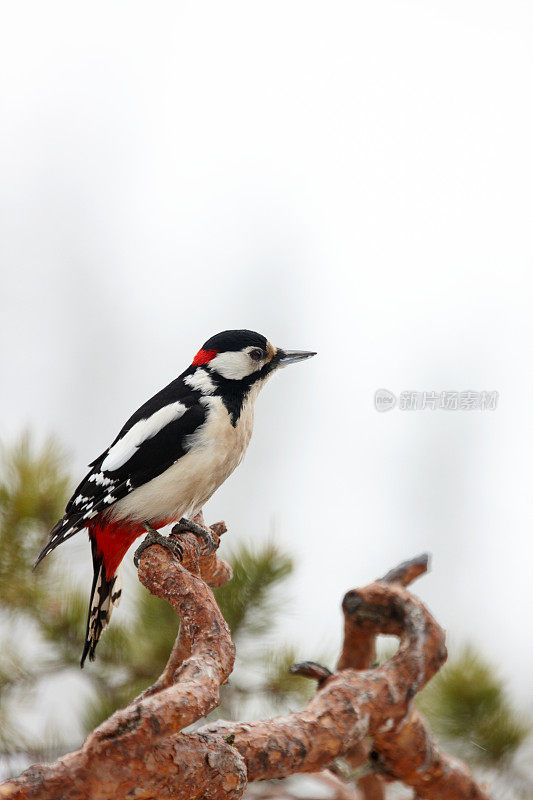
[[244, 357]]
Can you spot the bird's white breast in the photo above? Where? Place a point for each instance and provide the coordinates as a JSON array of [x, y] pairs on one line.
[[215, 449]]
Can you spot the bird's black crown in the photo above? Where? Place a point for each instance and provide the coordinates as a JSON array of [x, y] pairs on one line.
[[228, 341]]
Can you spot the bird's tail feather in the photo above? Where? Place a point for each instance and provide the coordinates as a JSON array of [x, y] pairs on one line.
[[62, 530], [105, 594]]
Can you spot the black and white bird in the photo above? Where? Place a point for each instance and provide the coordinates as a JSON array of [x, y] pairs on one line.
[[169, 458]]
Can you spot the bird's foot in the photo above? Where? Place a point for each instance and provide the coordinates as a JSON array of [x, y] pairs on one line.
[[202, 533], [153, 537]]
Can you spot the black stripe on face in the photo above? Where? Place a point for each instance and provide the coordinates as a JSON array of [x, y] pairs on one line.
[[234, 392]]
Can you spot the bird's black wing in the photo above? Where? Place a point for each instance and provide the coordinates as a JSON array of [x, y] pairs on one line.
[[154, 438]]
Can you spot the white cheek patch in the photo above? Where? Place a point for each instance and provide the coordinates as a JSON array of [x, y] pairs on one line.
[[145, 429], [200, 381], [233, 366]]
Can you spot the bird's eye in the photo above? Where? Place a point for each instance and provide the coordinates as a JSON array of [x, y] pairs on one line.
[[256, 354]]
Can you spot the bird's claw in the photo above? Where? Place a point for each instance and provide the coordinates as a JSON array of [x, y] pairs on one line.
[[204, 534], [153, 537]]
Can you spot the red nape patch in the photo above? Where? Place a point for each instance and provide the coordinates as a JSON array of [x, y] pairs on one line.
[[203, 356]]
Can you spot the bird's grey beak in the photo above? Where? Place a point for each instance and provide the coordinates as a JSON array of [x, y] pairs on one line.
[[292, 356]]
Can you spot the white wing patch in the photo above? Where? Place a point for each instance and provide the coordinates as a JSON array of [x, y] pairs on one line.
[[145, 429]]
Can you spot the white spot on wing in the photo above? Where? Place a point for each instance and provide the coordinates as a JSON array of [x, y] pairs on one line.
[[127, 446], [100, 479]]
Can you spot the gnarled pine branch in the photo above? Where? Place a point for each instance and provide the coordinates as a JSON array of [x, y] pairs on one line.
[[142, 752]]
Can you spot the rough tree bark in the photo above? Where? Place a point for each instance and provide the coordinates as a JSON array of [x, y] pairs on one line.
[[142, 752]]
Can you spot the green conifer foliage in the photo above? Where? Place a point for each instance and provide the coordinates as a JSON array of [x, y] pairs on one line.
[[466, 703]]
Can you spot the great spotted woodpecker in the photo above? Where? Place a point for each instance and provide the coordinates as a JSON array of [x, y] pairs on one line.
[[166, 462]]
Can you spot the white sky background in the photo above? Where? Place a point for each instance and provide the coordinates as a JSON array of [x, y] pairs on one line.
[[353, 178]]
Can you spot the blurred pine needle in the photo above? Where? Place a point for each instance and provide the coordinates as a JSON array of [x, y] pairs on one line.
[[467, 704]]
